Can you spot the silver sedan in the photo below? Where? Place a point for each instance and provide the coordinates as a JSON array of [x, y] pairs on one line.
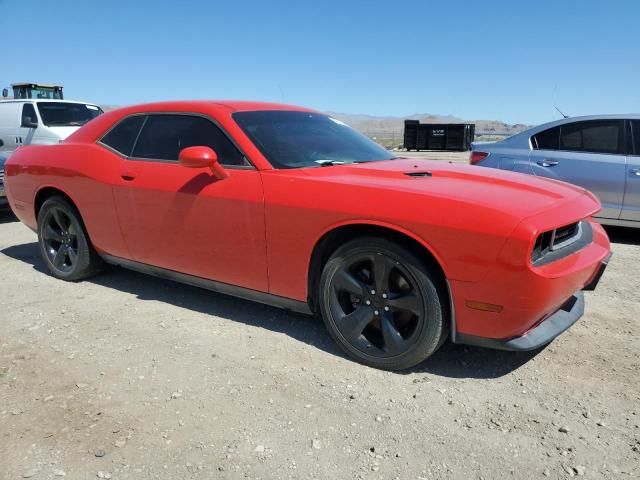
[[600, 153]]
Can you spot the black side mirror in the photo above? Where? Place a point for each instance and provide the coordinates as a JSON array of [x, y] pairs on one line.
[[29, 122], [5, 92], [1, 143]]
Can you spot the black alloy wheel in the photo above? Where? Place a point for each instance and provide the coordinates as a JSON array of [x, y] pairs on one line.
[[60, 240], [64, 243], [381, 305]]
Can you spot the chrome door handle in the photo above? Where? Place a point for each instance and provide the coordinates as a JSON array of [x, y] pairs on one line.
[[635, 172], [547, 163]]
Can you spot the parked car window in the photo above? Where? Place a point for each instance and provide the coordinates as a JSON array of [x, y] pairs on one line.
[[546, 140], [67, 114], [164, 136], [122, 137], [599, 136], [28, 112], [636, 137]]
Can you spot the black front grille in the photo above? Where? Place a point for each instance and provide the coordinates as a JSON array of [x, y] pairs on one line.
[[561, 242], [542, 246], [1, 177], [566, 233]]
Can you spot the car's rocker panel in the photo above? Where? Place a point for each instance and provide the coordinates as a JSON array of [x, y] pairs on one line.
[[218, 287]]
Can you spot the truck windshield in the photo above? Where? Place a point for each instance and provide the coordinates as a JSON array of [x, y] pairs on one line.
[[290, 139], [63, 114]]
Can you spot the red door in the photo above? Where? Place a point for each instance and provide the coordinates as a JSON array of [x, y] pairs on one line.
[[184, 219]]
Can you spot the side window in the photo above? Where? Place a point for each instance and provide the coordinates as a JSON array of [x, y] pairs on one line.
[[28, 113], [122, 137], [636, 137], [571, 137], [546, 140], [598, 136], [164, 136]]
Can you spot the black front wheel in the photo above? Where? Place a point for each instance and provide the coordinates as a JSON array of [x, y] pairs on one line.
[[381, 304], [64, 243]]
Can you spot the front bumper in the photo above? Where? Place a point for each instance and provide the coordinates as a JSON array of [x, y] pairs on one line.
[[538, 336], [547, 330], [527, 293]]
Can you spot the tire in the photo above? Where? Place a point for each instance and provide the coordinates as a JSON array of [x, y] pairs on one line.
[[64, 244], [392, 332]]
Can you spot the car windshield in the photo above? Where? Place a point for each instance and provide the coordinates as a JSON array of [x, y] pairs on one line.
[[62, 114], [291, 139]]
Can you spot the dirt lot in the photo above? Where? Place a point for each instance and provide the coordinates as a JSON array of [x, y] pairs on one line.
[[128, 376]]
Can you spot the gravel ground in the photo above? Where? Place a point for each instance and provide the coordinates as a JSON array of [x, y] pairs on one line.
[[128, 376]]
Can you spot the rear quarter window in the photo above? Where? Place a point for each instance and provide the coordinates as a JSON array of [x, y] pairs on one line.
[[546, 140], [122, 137]]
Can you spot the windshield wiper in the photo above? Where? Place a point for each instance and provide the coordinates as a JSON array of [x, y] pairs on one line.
[[329, 163]]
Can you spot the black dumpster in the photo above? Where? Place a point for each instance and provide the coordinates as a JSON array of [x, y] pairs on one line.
[[410, 134], [443, 136]]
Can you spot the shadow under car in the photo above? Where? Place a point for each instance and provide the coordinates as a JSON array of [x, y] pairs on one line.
[[454, 361]]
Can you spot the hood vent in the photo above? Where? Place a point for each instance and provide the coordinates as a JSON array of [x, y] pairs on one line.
[[423, 173]]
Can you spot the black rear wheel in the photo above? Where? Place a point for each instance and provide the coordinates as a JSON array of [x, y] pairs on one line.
[[381, 304], [64, 243]]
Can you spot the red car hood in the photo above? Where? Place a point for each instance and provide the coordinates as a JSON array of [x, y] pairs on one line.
[[515, 194]]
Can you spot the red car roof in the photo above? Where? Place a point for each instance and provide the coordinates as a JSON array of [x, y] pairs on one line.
[[96, 128]]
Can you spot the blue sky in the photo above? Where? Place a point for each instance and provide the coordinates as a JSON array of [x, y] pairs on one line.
[[477, 60]]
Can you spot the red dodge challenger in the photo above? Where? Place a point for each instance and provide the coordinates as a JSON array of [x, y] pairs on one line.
[[290, 207]]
